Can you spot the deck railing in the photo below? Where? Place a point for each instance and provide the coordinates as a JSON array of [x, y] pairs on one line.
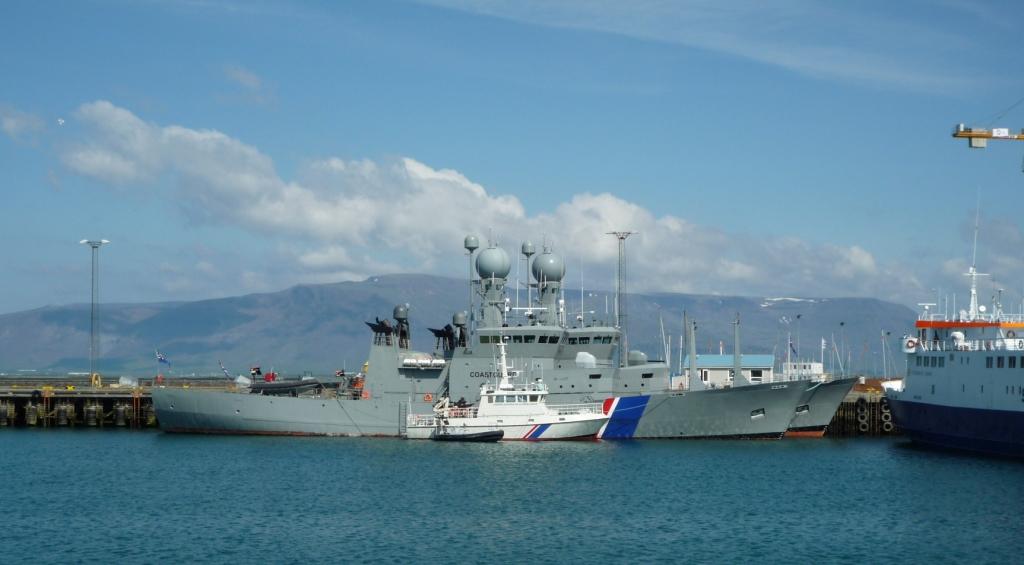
[[471, 412], [998, 344]]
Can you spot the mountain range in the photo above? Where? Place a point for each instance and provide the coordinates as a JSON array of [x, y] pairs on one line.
[[319, 328]]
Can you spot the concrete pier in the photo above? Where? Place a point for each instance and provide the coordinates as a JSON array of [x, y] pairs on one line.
[[69, 402]]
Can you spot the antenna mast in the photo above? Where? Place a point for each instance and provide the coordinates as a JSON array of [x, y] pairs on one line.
[[620, 294], [973, 271]]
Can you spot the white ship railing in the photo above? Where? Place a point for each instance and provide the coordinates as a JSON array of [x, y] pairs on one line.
[[999, 344], [420, 420], [576, 409], [471, 412], [1001, 317]]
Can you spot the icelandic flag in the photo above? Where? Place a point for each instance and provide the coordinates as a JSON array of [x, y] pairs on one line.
[[161, 358], [226, 373]]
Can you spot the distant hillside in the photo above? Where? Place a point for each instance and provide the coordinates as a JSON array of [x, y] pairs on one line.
[[320, 328]]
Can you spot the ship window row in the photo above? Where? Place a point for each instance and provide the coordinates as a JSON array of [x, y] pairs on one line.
[[510, 398], [1000, 362], [588, 340], [931, 361], [550, 339]]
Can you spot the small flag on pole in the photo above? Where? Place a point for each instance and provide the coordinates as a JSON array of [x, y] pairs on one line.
[[226, 373], [161, 358]]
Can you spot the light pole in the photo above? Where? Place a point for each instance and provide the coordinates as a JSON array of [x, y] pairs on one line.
[[95, 245]]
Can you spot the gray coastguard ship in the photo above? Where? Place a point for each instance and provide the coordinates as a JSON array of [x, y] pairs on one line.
[[578, 364]]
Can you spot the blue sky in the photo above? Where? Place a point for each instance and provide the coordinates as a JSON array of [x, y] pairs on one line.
[[769, 149]]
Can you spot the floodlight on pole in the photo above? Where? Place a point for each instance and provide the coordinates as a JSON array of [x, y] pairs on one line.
[[93, 316]]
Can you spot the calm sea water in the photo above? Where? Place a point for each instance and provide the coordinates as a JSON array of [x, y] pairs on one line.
[[119, 496]]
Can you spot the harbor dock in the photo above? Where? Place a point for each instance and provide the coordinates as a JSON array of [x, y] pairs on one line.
[[864, 412], [68, 402], [76, 401]]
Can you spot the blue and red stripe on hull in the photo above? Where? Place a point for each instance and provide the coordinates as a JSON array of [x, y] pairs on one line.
[[624, 413], [536, 431]]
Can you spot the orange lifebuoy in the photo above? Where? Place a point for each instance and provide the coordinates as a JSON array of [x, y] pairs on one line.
[[911, 343], [428, 397], [366, 394], [1011, 334]]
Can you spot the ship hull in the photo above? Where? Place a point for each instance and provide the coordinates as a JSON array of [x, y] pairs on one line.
[[580, 429], [821, 401], [748, 412], [200, 411], [752, 412], [992, 432]]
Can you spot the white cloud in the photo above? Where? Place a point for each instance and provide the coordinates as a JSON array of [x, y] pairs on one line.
[[355, 218], [19, 125], [250, 87], [243, 77], [864, 44]]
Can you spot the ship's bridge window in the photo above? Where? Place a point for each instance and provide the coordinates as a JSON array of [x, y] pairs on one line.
[[572, 341], [595, 376], [988, 362], [1011, 362], [646, 375], [942, 361], [606, 339], [935, 361], [521, 398], [517, 339], [999, 362], [918, 359], [584, 341], [489, 339], [534, 397], [529, 338], [543, 339]]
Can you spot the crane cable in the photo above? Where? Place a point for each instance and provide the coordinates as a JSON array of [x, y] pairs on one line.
[[999, 115]]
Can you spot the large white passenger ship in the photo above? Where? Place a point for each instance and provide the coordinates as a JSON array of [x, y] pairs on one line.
[[964, 387]]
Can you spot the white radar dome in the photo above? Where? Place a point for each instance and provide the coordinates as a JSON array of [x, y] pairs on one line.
[[548, 267], [493, 262]]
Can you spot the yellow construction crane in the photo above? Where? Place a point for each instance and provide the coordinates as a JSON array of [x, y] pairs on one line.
[[978, 138]]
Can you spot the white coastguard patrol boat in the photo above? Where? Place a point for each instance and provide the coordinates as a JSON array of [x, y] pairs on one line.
[[515, 407]]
